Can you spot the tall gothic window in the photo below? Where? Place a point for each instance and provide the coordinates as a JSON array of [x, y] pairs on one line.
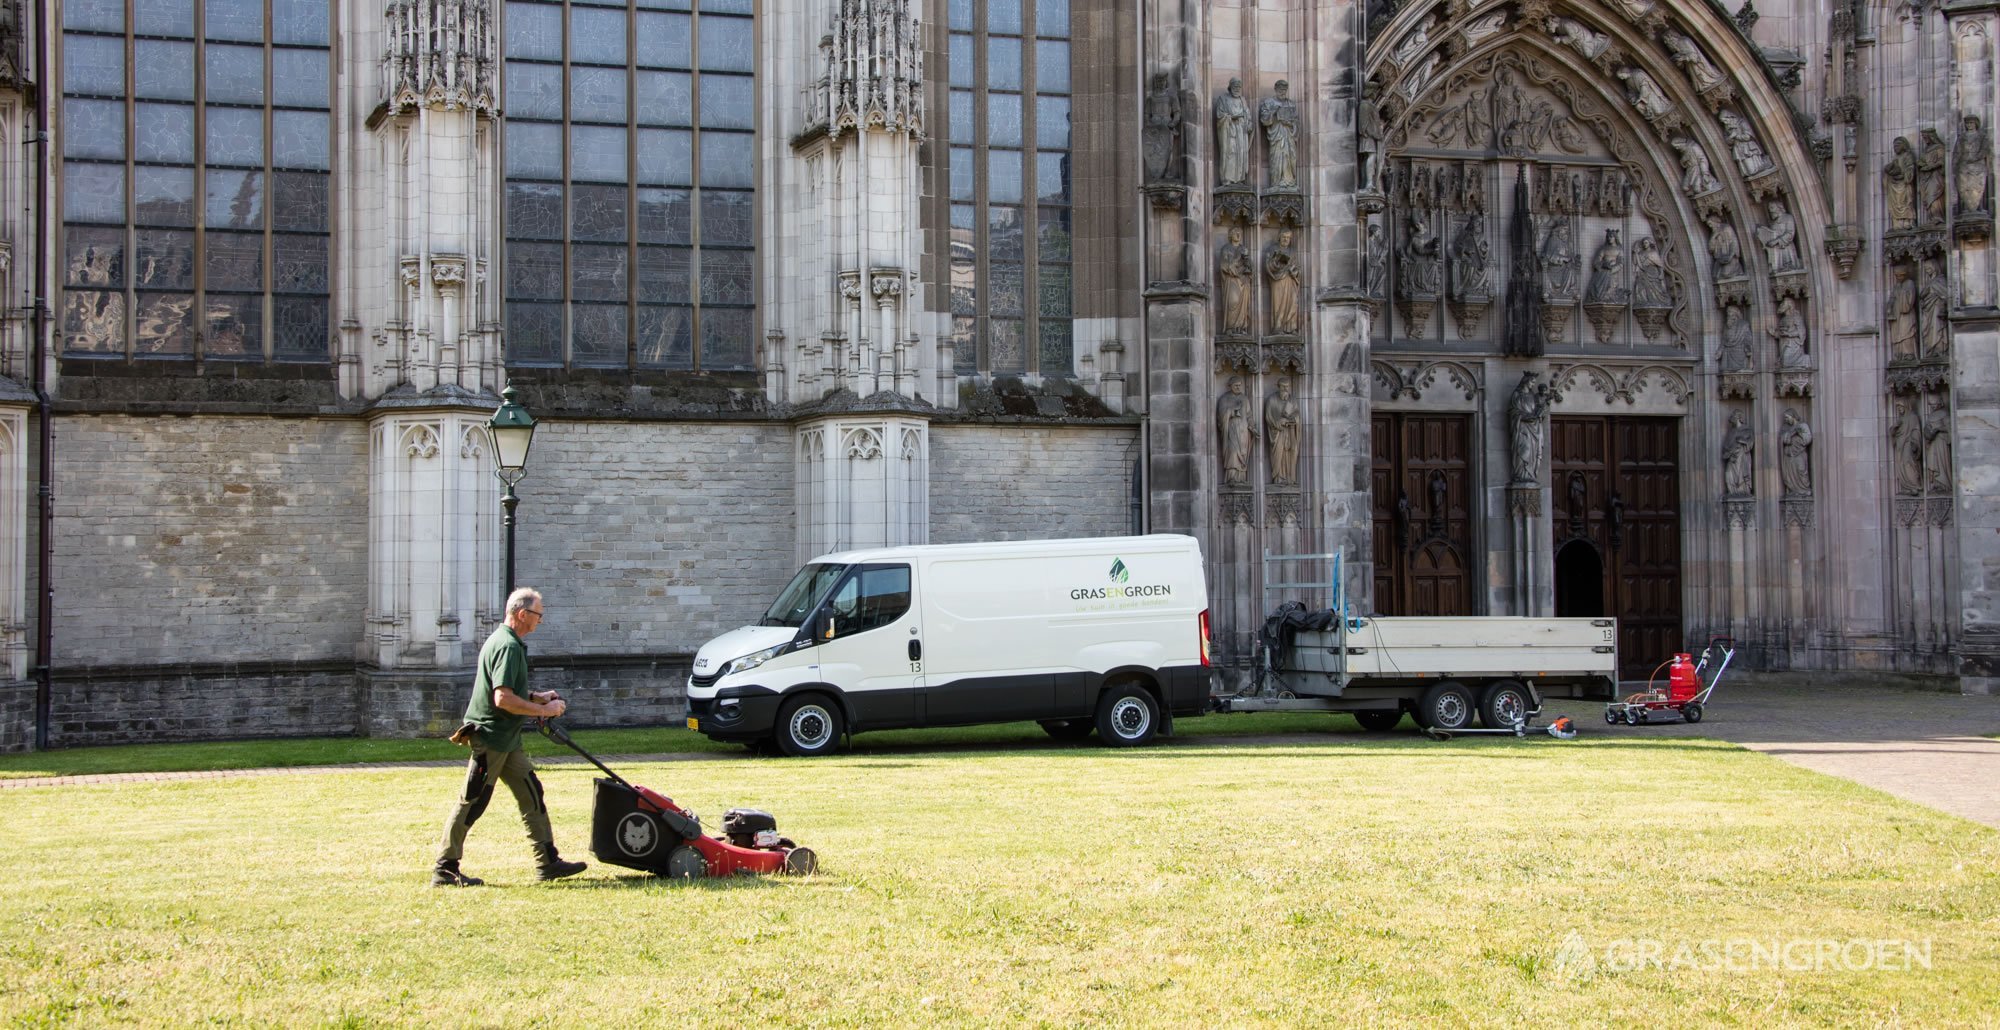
[[195, 141], [1009, 131], [630, 164]]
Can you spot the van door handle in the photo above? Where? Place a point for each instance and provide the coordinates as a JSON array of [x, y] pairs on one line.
[[916, 650]]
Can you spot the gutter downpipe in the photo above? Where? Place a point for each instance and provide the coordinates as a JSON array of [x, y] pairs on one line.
[[45, 494]]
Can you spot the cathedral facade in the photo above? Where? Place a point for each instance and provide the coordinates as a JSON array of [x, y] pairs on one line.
[[1648, 309]]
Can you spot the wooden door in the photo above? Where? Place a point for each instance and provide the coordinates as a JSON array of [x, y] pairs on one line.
[[1617, 493], [1420, 483]]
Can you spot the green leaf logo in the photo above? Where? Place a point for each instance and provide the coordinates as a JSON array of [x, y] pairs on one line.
[[1119, 573]]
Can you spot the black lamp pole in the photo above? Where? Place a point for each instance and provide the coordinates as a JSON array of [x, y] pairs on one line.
[[513, 432], [507, 504]]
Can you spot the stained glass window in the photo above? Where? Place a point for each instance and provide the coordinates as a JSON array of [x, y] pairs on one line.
[[630, 167], [170, 248]]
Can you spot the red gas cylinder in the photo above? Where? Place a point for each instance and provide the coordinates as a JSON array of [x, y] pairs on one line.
[[1681, 682]]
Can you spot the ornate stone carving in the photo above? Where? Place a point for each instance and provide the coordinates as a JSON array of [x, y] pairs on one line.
[[1606, 272], [1378, 262], [1725, 248], [1795, 440], [1697, 176], [1790, 336], [1527, 411], [1522, 333], [850, 286], [1368, 132], [1234, 264], [1930, 180], [1238, 509], [10, 45], [438, 54], [412, 269], [1161, 141], [874, 70], [1241, 354], [1797, 511], [1235, 205], [1899, 185], [1279, 115], [1906, 449], [885, 285], [448, 271], [1470, 278], [1236, 423], [1743, 146], [1420, 259], [1282, 267], [1707, 80], [1902, 316], [1933, 301], [1281, 434], [1284, 356], [1558, 257], [1937, 446], [1578, 37], [1972, 168], [1843, 245], [1649, 276], [1281, 510], [1647, 97], [1232, 136], [421, 441], [1739, 446], [1780, 237]]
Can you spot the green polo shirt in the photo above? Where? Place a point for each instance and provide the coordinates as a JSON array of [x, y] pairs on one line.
[[503, 662]]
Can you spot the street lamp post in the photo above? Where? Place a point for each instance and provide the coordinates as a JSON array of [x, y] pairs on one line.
[[512, 431]]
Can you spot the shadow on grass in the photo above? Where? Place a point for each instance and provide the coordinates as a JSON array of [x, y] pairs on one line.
[[650, 882]]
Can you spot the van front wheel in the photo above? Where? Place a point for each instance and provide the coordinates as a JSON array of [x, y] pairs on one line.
[[1127, 717], [808, 726]]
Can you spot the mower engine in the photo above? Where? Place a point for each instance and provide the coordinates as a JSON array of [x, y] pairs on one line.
[[638, 828]]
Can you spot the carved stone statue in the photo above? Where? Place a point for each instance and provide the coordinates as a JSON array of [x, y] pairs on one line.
[[1780, 239], [1645, 94], [1899, 184], [1697, 177], [1510, 105], [1469, 252], [1526, 411], [1937, 446], [1235, 421], [1930, 179], [1604, 287], [1368, 133], [1795, 445], [1280, 117], [10, 43], [1791, 336], [1420, 258], [1162, 143], [1750, 157], [1415, 43], [1932, 300], [1903, 316], [1973, 168], [1738, 445], [1232, 136], [1725, 248], [1701, 72], [1558, 261], [1734, 354], [1906, 437], [1649, 276], [1579, 37], [1378, 260], [1281, 434], [1234, 263], [1282, 266]]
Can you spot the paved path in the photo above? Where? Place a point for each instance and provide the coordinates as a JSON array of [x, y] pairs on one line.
[[1934, 749]]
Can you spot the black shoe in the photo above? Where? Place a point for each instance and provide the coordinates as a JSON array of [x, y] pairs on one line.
[[446, 874], [550, 866]]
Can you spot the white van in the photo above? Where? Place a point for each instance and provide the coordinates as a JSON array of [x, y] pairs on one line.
[[1108, 634]]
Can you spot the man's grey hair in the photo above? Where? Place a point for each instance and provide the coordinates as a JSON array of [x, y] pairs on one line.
[[520, 599]]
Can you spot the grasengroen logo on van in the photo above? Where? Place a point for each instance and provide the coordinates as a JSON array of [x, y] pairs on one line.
[[1121, 575]]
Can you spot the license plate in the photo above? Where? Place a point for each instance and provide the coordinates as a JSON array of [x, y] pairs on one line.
[[694, 723]]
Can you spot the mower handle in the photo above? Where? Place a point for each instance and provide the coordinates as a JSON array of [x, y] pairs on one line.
[[561, 736]]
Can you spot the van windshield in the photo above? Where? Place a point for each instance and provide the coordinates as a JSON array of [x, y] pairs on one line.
[[802, 595]]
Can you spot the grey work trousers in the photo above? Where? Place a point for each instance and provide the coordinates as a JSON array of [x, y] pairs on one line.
[[482, 771]]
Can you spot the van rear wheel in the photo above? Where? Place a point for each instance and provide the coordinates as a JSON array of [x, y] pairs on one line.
[[1067, 729], [1127, 716], [808, 726]]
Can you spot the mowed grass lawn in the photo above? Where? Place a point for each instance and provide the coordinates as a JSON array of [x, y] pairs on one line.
[[1334, 879]]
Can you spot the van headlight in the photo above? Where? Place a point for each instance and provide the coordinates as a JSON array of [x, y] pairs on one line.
[[753, 660]]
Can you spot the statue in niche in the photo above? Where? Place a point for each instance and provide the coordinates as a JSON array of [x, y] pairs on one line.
[[1899, 184], [1469, 252], [1368, 133], [1579, 37], [1932, 300], [1738, 445], [1162, 143], [1734, 355], [1233, 419], [1526, 411], [1378, 260], [1903, 316], [1281, 434], [1795, 447], [1236, 269], [1558, 261], [1697, 177], [1280, 117], [1282, 266], [1645, 94], [1725, 248], [1750, 157], [1930, 179], [1906, 435], [1937, 445], [1415, 44], [1649, 276], [1701, 72], [1480, 28], [1605, 267], [1510, 105], [1420, 258], [1791, 337], [1780, 239], [1634, 9], [1232, 136], [1975, 164]]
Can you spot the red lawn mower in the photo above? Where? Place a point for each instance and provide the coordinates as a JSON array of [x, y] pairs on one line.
[[640, 829]]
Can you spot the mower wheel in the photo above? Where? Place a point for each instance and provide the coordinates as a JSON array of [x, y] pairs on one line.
[[801, 862], [1503, 705], [1691, 711], [685, 863], [1611, 715], [808, 725], [1378, 721], [1634, 716], [1067, 729], [1446, 706], [1127, 716]]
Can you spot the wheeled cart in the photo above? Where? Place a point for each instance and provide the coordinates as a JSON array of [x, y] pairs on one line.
[[1685, 696]]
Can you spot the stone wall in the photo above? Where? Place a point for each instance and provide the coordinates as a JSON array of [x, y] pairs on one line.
[[1022, 482], [198, 702], [605, 691], [17, 716]]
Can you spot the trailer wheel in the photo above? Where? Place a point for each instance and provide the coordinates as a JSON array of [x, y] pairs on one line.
[[1691, 711], [1447, 707], [808, 726], [1127, 716], [1378, 721], [1503, 705], [1067, 729]]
